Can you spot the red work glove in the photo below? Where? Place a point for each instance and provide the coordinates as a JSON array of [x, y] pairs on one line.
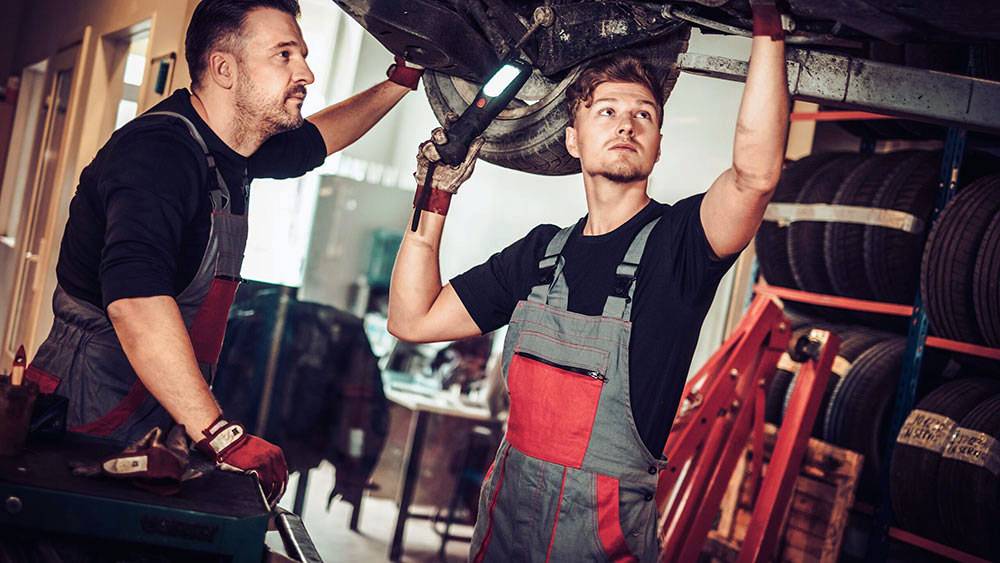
[[767, 19], [405, 73], [233, 449]]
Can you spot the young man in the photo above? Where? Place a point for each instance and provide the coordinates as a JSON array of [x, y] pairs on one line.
[[151, 256], [603, 315]]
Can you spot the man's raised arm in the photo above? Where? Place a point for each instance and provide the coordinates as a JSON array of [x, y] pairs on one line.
[[420, 309], [345, 122], [734, 206]]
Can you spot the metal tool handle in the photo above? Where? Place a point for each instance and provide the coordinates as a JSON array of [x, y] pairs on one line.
[[295, 538]]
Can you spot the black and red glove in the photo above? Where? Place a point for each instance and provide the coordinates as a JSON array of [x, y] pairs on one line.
[[405, 73], [148, 463], [767, 19], [233, 449]]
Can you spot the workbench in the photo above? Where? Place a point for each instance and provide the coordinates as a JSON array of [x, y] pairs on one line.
[[422, 404]]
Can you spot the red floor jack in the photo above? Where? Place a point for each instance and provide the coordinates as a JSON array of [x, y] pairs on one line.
[[721, 408]]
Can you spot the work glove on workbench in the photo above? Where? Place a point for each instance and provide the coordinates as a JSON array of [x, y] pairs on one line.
[[233, 449], [405, 73], [148, 463], [436, 181]]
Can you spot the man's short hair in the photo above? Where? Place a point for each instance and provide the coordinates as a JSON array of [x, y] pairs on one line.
[[621, 67], [216, 24]]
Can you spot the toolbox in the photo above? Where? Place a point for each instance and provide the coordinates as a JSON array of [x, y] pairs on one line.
[[221, 514]]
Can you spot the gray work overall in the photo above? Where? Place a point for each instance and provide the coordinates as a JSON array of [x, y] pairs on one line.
[[572, 480], [82, 359]]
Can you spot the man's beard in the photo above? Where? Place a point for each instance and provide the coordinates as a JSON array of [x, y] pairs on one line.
[[623, 173], [259, 116]]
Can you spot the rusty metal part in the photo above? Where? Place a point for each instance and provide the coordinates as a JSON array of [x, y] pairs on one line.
[[426, 32], [543, 16], [584, 30], [787, 23], [855, 83]]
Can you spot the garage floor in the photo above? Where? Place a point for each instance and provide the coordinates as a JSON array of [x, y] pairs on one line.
[[335, 542]]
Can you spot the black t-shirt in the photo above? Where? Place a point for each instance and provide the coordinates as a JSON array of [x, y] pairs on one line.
[[676, 282], [139, 222]]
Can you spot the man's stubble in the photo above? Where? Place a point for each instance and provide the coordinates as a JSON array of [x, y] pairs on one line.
[[258, 115], [623, 172]]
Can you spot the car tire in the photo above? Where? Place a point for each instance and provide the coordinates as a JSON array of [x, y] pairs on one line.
[[531, 137]]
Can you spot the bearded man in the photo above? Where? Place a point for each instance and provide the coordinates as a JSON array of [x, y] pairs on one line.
[[151, 256]]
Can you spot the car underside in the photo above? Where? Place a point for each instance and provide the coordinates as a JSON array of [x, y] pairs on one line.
[[462, 41]]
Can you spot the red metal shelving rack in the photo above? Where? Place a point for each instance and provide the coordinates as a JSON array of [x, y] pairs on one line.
[[848, 303], [838, 302], [917, 338], [934, 547]]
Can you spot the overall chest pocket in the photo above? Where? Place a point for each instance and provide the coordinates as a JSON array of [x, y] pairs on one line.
[[555, 389]]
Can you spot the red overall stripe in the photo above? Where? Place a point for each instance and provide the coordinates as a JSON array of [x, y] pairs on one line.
[[609, 527], [117, 416], [207, 332], [555, 522], [209, 326], [481, 554], [46, 382]]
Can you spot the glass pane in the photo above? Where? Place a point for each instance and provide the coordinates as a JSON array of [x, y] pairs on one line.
[[50, 158], [43, 194], [135, 64], [25, 179], [126, 111]]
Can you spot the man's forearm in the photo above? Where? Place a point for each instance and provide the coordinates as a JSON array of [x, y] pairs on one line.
[[157, 344], [345, 122], [416, 277], [759, 146]]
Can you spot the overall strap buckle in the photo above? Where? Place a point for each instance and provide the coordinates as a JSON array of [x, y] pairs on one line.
[[551, 289], [547, 269], [619, 303], [625, 276]]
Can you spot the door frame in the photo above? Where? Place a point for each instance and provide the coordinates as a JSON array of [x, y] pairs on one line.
[[80, 54]]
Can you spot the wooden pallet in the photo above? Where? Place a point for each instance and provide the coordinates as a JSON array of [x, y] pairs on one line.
[[817, 516]]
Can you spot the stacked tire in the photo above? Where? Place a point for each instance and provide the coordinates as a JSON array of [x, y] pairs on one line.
[[860, 408], [960, 277], [944, 471], [851, 260], [880, 263], [884, 263], [855, 341], [855, 410], [772, 239], [945, 466]]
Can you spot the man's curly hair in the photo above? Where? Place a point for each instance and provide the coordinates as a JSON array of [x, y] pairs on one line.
[[619, 67]]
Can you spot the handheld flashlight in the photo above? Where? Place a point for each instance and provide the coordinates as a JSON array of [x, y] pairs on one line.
[[495, 94]]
